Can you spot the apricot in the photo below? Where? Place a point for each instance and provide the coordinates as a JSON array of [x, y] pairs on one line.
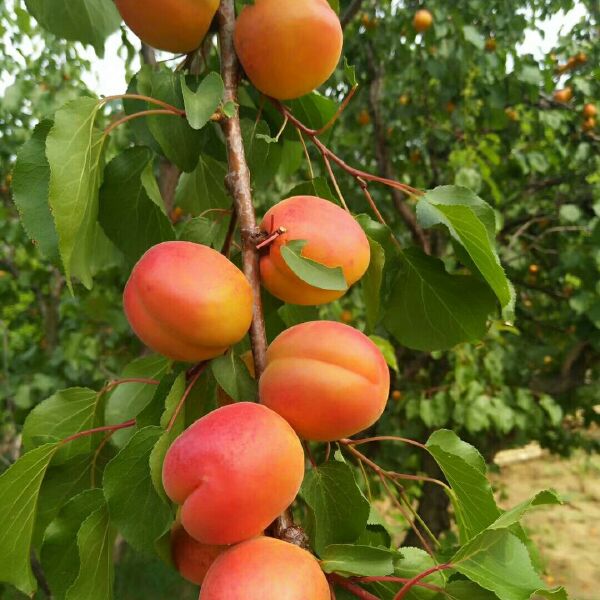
[[563, 95], [327, 379], [173, 25], [333, 237], [423, 20], [590, 110], [265, 569], [404, 100], [288, 50], [364, 118], [490, 44], [191, 558], [589, 124], [187, 301], [233, 472]]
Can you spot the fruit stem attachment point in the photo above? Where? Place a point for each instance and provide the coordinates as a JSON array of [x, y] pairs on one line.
[[268, 241]]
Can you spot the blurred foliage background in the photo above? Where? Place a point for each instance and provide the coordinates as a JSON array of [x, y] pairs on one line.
[[464, 103]]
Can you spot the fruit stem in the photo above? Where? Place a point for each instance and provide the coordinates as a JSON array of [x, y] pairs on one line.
[[111, 428], [351, 587]]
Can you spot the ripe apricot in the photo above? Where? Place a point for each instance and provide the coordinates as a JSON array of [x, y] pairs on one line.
[[563, 95], [347, 316], [423, 20], [327, 379], [233, 472], [288, 51], [589, 124], [590, 110], [333, 237], [397, 395], [265, 569], [511, 114], [187, 301], [490, 44], [581, 57], [534, 269], [173, 25], [191, 558]]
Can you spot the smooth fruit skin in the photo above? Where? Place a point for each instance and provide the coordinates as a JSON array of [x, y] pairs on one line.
[[423, 20], [191, 558], [563, 95], [288, 47], [187, 301], [334, 239], [328, 380], [173, 25], [265, 569], [233, 472], [590, 111]]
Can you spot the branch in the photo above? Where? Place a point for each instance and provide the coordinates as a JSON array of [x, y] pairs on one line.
[[238, 182], [353, 588]]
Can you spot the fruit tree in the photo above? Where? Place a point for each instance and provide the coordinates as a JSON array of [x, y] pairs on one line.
[[313, 214]]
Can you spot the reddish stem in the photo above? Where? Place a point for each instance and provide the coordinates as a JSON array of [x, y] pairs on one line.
[[338, 113], [353, 588], [271, 238], [111, 428], [148, 99], [393, 579], [144, 113], [113, 384], [189, 388], [415, 580], [382, 438]]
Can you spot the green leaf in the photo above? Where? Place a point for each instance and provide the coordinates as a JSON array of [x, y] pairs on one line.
[[59, 555], [388, 351], [339, 508], [471, 222], [130, 399], [95, 542], [201, 104], [75, 151], [413, 562], [464, 468], [310, 271], [180, 143], [204, 188], [468, 590], [429, 309], [140, 514], [347, 559], [207, 231], [371, 283], [128, 215], [31, 181], [19, 491], [87, 21], [319, 186], [65, 413], [474, 37], [515, 514], [499, 561], [233, 376]]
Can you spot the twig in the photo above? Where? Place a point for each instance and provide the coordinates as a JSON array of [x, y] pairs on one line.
[[190, 386], [415, 580], [353, 588], [111, 428]]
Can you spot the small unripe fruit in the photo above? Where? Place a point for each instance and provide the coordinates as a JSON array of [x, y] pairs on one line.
[[333, 237], [328, 380], [265, 569], [548, 360], [288, 51], [423, 20], [397, 395], [233, 472], [191, 558], [364, 118], [187, 301], [173, 25], [490, 44], [404, 100], [590, 110], [346, 316], [511, 114], [534, 269], [176, 214], [563, 95]]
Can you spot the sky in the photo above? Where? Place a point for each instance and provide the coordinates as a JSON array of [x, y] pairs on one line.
[[107, 76]]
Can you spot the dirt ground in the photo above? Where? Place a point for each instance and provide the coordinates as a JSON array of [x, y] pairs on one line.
[[568, 536]]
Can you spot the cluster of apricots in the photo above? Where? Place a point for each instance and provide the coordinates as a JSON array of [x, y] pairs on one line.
[[233, 471], [572, 63], [285, 53], [590, 112]]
